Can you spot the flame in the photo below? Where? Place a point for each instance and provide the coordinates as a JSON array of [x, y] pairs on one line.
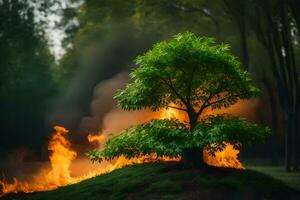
[[59, 174], [99, 139], [227, 158], [172, 113], [61, 159]]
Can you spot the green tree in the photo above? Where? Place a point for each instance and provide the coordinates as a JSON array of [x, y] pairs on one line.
[[26, 84], [193, 74]]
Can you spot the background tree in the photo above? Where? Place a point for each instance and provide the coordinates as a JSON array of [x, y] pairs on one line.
[[273, 23], [26, 83], [190, 74]]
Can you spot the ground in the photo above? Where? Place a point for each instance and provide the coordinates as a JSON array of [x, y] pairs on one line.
[[291, 179], [167, 181]]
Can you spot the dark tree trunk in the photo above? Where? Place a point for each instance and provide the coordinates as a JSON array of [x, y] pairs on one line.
[[275, 139], [292, 83], [296, 138], [297, 149], [193, 158], [296, 141], [288, 142], [278, 40], [274, 114], [297, 110], [244, 46]]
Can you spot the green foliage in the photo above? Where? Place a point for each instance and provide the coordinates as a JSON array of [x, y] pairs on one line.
[[26, 82], [164, 137], [221, 129], [186, 70], [171, 138]]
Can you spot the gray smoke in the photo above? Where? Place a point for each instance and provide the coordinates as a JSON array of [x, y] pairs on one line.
[[102, 102], [109, 53]]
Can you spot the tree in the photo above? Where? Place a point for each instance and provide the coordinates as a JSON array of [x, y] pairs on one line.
[[26, 83], [193, 74], [273, 23], [237, 11]]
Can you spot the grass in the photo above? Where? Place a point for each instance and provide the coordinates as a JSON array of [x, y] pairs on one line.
[[166, 181], [291, 179]]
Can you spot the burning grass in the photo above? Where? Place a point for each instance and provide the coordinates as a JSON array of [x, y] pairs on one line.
[[61, 159]]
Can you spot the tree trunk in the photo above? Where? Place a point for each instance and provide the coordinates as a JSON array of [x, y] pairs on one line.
[[291, 82], [288, 142], [244, 46], [272, 97], [193, 158], [296, 142]]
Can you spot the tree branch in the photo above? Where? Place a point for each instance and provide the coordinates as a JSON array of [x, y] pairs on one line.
[[177, 108], [211, 95], [223, 99], [189, 90], [170, 85]]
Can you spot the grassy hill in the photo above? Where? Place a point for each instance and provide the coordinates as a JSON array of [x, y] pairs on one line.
[[166, 181]]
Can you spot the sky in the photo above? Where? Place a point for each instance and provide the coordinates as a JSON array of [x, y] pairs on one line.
[[55, 34]]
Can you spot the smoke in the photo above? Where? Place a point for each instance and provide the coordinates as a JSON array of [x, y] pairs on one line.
[[105, 118], [108, 51], [102, 102], [96, 64], [21, 163], [243, 108], [116, 120]]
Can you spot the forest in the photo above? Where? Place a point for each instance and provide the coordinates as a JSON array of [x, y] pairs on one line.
[[73, 64]]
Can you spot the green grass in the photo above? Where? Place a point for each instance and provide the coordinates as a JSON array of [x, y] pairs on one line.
[[291, 179], [166, 181]]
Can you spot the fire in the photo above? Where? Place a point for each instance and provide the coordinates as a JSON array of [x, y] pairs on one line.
[[61, 159], [97, 139], [172, 113], [59, 174], [227, 158]]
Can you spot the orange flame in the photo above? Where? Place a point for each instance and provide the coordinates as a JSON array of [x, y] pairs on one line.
[[227, 158], [97, 139], [172, 113], [61, 158]]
